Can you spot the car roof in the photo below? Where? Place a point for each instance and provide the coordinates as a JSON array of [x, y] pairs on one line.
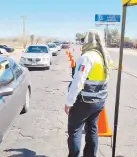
[[39, 45], [51, 44]]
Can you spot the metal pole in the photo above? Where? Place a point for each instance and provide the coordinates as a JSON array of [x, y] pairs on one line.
[[24, 31], [119, 80]]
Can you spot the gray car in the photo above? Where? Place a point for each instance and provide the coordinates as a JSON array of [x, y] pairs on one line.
[[15, 91]]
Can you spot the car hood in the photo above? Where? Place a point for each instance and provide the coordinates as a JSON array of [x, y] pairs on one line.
[[36, 55], [53, 49]]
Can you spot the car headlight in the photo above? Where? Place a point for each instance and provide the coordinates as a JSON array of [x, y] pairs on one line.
[[23, 59]]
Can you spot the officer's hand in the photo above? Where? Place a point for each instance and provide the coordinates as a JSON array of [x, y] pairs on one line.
[[67, 109]]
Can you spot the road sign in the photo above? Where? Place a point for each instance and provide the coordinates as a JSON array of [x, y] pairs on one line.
[[107, 18], [129, 2]]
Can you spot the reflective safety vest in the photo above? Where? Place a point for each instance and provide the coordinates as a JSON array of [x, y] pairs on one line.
[[95, 87]]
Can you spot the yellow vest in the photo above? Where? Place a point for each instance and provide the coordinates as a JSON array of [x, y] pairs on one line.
[[98, 71], [95, 87]]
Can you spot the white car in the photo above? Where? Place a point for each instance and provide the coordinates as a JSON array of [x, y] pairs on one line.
[[3, 51], [37, 56], [58, 44], [53, 48]]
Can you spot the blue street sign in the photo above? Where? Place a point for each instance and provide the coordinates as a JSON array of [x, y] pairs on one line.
[[107, 18]]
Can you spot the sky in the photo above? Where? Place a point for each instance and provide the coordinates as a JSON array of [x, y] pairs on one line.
[[60, 18]]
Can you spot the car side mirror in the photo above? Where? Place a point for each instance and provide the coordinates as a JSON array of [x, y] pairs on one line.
[[6, 91]]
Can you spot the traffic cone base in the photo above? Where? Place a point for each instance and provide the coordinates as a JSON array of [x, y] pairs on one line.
[[103, 128], [108, 134]]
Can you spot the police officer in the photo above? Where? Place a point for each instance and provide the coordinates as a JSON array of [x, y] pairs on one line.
[[87, 95]]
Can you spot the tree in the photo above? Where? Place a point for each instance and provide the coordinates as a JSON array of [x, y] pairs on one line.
[[127, 39], [79, 36], [134, 41], [115, 35]]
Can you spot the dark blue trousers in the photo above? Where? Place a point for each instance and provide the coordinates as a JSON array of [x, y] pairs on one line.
[[80, 114]]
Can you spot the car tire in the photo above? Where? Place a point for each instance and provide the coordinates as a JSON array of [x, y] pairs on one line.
[[48, 68], [27, 102]]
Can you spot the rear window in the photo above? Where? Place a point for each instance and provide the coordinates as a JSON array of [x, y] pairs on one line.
[[65, 43], [57, 43], [52, 46], [37, 49]]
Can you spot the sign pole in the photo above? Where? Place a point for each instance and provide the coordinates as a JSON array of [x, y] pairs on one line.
[[119, 80]]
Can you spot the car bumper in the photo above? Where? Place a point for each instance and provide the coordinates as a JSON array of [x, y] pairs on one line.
[[54, 53], [65, 47], [37, 65]]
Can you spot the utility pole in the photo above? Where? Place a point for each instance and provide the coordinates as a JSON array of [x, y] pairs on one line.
[[24, 30]]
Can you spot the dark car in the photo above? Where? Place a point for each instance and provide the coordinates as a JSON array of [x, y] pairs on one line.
[[65, 45], [128, 45], [8, 49], [15, 91]]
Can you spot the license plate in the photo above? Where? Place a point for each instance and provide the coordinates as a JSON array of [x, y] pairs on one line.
[[34, 62]]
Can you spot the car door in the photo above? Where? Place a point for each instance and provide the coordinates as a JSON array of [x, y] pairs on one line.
[[21, 84], [11, 105], [7, 103]]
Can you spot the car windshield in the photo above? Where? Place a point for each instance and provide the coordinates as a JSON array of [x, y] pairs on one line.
[[37, 49], [65, 43], [57, 44], [52, 46]]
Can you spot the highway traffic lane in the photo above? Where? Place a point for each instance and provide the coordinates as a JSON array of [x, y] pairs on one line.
[[129, 60], [43, 128]]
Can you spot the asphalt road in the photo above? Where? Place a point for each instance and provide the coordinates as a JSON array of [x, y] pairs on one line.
[[42, 131], [129, 60]]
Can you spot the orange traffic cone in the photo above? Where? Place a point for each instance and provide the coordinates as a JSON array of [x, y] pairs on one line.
[[71, 58], [67, 52], [72, 63], [70, 55], [103, 127]]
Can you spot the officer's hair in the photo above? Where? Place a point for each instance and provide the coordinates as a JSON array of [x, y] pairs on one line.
[[95, 39]]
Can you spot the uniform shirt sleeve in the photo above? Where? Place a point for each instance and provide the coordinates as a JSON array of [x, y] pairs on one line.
[[83, 67]]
